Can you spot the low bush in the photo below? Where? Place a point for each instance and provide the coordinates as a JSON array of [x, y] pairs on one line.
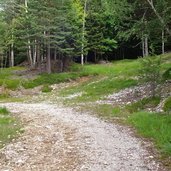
[[167, 105], [167, 74], [51, 79], [150, 102], [9, 127], [4, 111], [46, 89]]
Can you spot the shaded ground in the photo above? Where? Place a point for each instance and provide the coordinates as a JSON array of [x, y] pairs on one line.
[[58, 138]]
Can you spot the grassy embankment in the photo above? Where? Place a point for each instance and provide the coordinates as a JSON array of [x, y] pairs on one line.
[[103, 80], [9, 127], [114, 77]]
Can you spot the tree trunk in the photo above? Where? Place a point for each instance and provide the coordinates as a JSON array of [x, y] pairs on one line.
[[30, 53], [38, 55], [12, 55], [48, 58], [83, 33], [146, 45], [159, 16], [86, 59], [143, 47], [35, 54], [55, 55], [2, 60], [95, 57], [30, 58], [163, 43]]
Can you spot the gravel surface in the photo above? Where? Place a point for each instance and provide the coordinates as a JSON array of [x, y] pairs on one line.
[[58, 138]]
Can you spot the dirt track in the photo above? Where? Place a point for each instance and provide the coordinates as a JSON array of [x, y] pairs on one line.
[[58, 138]]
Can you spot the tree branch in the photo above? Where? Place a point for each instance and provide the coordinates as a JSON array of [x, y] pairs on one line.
[[159, 16]]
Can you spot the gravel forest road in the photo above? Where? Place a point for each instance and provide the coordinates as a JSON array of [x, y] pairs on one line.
[[59, 138]]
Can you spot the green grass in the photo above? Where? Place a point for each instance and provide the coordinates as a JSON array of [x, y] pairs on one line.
[[6, 79], [9, 127], [46, 89], [94, 90], [105, 110], [167, 105], [145, 103], [52, 79], [167, 74], [3, 111], [118, 68], [154, 126]]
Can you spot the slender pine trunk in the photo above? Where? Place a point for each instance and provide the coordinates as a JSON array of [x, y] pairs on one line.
[[30, 53], [38, 55], [143, 46], [12, 55], [48, 57], [146, 46], [29, 48], [55, 55], [163, 42], [83, 33], [35, 54]]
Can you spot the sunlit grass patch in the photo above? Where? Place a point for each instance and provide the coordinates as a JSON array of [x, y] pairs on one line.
[[95, 90], [155, 126]]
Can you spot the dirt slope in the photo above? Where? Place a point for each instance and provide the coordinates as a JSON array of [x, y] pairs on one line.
[[58, 138]]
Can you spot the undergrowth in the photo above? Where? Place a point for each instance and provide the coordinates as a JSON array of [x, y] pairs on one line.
[[9, 127], [93, 91]]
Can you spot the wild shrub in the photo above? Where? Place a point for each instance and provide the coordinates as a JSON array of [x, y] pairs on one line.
[[151, 72], [46, 88], [167, 74], [167, 105]]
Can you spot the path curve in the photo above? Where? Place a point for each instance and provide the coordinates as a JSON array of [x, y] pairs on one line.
[[58, 138]]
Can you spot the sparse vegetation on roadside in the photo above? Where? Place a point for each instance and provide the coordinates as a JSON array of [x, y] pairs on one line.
[[9, 127], [143, 104], [46, 89], [4, 111], [167, 105]]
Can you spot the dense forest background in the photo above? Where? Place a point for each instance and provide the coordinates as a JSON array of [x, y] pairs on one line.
[[49, 34]]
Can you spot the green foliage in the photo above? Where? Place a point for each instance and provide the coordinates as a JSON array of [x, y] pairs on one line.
[[151, 72], [154, 126], [46, 89], [167, 105], [7, 80], [12, 84], [4, 111], [143, 104], [9, 127], [167, 74], [51, 79], [94, 90]]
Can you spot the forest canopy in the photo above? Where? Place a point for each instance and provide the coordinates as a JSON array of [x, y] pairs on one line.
[[52, 33]]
